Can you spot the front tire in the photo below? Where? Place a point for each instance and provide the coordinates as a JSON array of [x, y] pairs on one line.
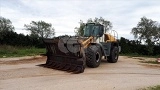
[[93, 56], [114, 54]]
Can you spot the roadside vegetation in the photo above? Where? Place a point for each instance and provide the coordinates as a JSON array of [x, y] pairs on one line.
[[144, 58], [13, 44], [151, 88], [13, 51], [151, 62], [139, 55]]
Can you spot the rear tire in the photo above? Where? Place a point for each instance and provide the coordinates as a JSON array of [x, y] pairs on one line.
[[114, 54], [93, 56]]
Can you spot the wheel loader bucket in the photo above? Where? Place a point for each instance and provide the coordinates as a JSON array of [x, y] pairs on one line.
[[63, 54]]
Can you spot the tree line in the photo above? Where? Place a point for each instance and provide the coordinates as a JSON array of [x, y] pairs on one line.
[[38, 30], [14, 39], [146, 33], [135, 47]]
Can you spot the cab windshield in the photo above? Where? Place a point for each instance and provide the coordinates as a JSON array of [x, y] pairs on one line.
[[91, 30]]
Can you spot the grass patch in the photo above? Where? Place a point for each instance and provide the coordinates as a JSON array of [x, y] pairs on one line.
[[151, 88], [137, 55], [12, 51], [152, 62], [143, 58]]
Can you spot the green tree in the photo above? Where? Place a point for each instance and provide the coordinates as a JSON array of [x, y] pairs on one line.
[[124, 43], [5, 24], [147, 31], [5, 28], [79, 30], [41, 29], [107, 25]]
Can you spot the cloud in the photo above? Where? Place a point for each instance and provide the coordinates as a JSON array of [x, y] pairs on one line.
[[65, 15]]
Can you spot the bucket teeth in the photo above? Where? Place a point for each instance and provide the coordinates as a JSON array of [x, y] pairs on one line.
[[62, 66], [49, 64], [57, 65], [67, 67], [72, 68], [76, 66], [53, 64], [79, 69]]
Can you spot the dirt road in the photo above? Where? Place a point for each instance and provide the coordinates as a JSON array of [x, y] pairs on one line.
[[126, 74]]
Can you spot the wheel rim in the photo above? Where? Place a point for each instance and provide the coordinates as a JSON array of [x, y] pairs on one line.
[[97, 57]]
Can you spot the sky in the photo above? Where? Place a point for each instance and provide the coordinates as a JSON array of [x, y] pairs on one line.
[[65, 15]]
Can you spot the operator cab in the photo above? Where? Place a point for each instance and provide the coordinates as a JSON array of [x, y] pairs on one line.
[[92, 29]]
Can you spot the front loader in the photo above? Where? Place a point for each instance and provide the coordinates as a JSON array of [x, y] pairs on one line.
[[74, 53]]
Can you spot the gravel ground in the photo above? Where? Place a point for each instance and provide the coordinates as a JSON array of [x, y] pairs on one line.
[[126, 74]]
